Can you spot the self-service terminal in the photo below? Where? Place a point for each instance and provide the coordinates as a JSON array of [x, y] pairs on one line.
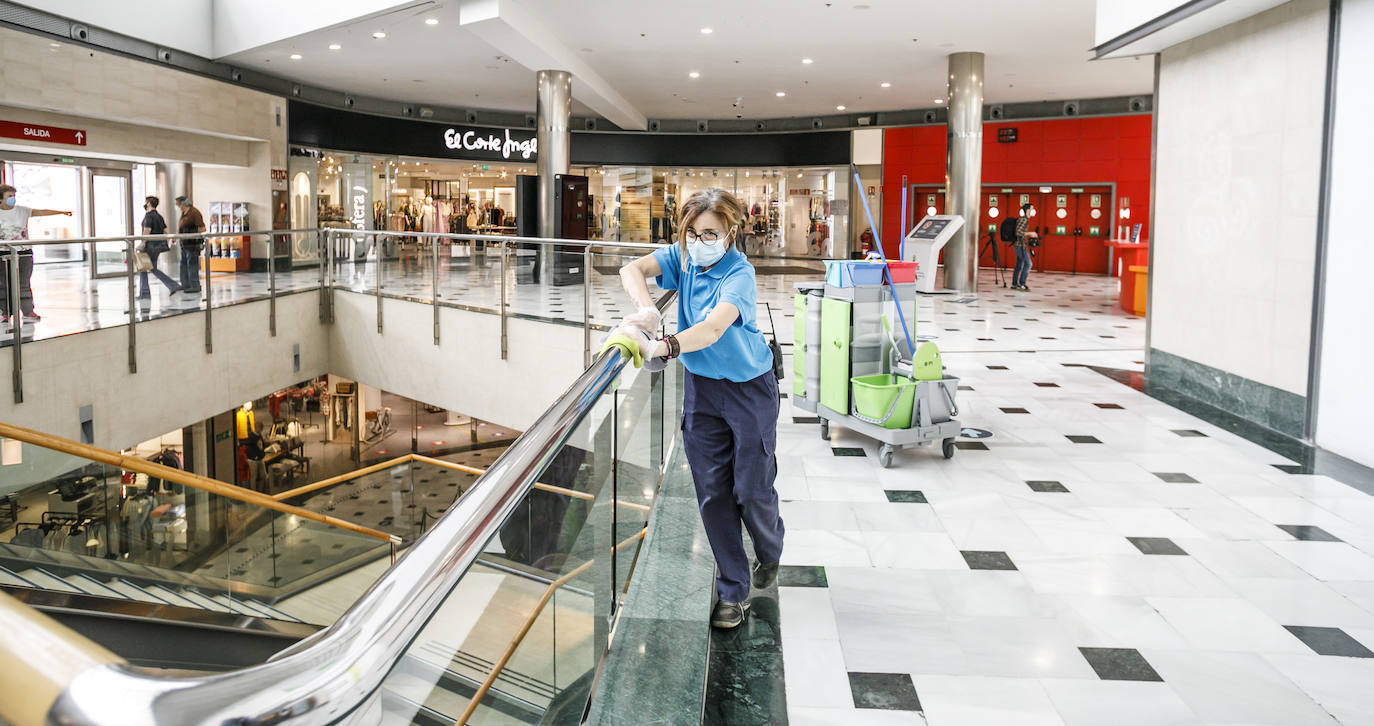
[[923, 243]]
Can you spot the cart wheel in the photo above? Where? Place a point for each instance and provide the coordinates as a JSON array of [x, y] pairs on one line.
[[825, 429], [948, 448], [885, 456]]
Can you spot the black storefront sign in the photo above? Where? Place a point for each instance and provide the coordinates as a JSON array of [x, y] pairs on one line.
[[339, 130], [1006, 135]]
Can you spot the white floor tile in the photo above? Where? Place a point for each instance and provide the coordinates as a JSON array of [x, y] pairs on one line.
[[1240, 688], [1117, 703], [980, 701], [1226, 624]]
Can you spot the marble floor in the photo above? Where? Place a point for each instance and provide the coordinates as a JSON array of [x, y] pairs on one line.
[[1101, 558]]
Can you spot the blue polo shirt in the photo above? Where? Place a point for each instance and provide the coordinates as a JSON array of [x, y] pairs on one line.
[[741, 354]]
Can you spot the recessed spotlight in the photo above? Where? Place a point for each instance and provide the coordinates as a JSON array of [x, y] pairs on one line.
[[334, 46], [431, 21], [885, 84], [780, 94], [694, 74], [939, 100], [706, 31], [379, 35], [807, 61], [295, 56], [839, 108]]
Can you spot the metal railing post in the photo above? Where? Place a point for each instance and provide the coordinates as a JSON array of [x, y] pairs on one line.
[[321, 249], [133, 313], [16, 325], [271, 282], [586, 306], [435, 291], [503, 300], [379, 283], [209, 300]]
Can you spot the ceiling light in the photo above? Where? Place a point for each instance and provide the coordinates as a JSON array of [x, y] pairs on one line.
[[694, 74], [379, 35], [939, 100], [780, 94], [706, 31], [807, 61], [431, 21], [334, 46], [295, 56], [885, 84], [839, 108]]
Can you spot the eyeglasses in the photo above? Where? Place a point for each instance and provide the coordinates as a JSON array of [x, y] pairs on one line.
[[709, 236]]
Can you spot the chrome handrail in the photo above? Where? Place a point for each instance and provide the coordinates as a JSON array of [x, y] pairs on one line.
[[335, 674]]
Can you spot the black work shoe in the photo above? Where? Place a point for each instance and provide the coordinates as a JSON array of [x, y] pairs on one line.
[[729, 615], [765, 575]]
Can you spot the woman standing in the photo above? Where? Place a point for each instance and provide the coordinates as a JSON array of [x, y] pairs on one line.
[[730, 406]]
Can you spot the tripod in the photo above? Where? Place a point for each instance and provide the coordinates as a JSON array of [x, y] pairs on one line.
[[999, 271]]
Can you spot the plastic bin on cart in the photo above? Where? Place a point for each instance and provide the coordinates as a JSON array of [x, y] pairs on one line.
[[884, 399], [852, 273], [902, 272]]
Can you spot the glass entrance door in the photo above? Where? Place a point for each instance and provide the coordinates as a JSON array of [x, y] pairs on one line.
[[111, 215]]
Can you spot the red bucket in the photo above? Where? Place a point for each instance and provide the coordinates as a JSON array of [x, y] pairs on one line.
[[902, 272]]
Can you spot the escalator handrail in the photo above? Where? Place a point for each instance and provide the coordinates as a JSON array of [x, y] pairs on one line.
[[334, 674]]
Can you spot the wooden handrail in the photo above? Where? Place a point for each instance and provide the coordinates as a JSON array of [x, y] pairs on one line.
[[529, 623], [41, 657], [185, 478]]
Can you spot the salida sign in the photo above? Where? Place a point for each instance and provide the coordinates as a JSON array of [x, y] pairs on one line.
[[49, 134], [486, 143]]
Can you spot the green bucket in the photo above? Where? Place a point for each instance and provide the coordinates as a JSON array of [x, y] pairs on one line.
[[883, 399]]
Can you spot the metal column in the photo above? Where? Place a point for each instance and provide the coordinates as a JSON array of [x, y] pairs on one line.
[[963, 170], [554, 142]]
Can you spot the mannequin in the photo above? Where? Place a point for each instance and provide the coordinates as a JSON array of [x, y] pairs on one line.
[[427, 215], [244, 421]]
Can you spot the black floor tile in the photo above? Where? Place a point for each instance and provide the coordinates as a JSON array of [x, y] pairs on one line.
[[1189, 433], [745, 681], [997, 368], [848, 451], [887, 691], [1047, 486], [1308, 533], [1175, 477], [806, 419], [905, 496], [1046, 384], [1156, 546], [802, 576], [1014, 410], [1109, 406], [983, 560], [1081, 439], [966, 388], [1290, 468], [1120, 664], [971, 445], [1330, 641]]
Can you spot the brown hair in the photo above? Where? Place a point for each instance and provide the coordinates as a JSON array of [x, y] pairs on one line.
[[717, 201]]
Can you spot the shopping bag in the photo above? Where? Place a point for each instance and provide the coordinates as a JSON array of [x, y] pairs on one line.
[[142, 262]]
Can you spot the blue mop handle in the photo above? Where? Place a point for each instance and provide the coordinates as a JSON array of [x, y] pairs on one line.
[[886, 272]]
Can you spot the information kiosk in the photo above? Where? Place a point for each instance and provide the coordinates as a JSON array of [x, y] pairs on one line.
[[923, 243]]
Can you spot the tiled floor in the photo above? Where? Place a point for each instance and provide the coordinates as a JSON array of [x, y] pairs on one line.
[[1107, 559]]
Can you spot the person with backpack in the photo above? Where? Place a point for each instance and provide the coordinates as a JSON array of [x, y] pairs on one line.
[[1021, 238]]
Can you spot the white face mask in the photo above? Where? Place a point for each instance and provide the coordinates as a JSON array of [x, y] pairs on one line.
[[705, 254]]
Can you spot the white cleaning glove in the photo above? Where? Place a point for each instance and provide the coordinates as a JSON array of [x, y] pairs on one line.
[[646, 318]]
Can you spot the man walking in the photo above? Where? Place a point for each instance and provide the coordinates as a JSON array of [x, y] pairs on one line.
[[14, 225], [1022, 248], [191, 247]]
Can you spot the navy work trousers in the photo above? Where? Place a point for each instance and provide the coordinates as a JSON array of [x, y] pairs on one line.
[[1023, 265], [731, 431]]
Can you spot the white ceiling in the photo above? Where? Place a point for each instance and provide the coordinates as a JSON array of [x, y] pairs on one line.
[[1035, 50]]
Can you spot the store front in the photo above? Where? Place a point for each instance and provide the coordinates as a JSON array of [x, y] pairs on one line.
[[420, 175]]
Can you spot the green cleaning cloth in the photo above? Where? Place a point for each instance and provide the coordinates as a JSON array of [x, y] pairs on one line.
[[629, 348]]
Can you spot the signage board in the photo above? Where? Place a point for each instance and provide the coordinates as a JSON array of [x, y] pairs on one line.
[[1095, 200], [1094, 231], [1006, 191], [46, 134], [1075, 190], [930, 200], [1061, 200], [278, 179], [1025, 199], [508, 143], [1006, 135], [992, 200], [1061, 229]]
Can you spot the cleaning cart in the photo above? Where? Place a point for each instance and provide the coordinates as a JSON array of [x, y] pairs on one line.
[[850, 368]]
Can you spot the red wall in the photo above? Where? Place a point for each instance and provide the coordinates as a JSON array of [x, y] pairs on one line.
[[1062, 151]]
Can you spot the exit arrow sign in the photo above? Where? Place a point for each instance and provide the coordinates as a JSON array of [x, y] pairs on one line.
[[46, 134]]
